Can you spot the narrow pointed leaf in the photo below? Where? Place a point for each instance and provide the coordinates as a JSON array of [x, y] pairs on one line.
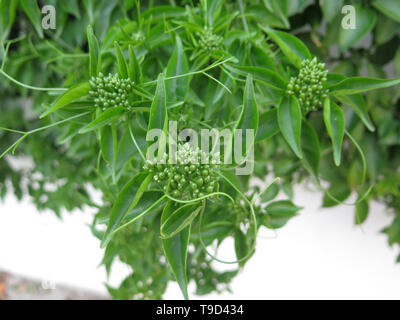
[[150, 200], [289, 119], [109, 145], [264, 76], [334, 122], [126, 201], [122, 66], [175, 249], [177, 89], [241, 246], [248, 119], [32, 10], [311, 150], [75, 92], [357, 103], [104, 118], [390, 8], [330, 8], [361, 212], [158, 111], [293, 48], [94, 53], [279, 213], [268, 125], [360, 85], [134, 71], [179, 219]]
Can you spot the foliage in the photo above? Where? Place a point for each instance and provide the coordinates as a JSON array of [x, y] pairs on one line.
[[80, 99]]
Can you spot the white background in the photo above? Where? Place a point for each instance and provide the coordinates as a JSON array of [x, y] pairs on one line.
[[320, 254]]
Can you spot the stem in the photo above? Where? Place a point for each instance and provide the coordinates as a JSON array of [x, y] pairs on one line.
[[253, 215], [134, 141], [191, 73], [26, 134], [28, 86]]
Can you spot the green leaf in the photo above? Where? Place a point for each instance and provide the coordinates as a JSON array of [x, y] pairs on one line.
[[75, 92], [280, 9], [126, 201], [386, 29], [104, 118], [213, 10], [248, 119], [8, 9], [261, 14], [295, 50], [389, 8], [175, 250], [374, 155], [360, 84], [158, 111], [216, 94], [330, 8], [268, 125], [149, 201], [270, 193], [357, 103], [214, 231], [361, 212], [289, 119], [134, 70], [179, 219], [338, 190], [393, 232], [261, 56], [71, 7], [241, 247], [108, 146], [334, 122], [94, 53], [311, 150], [163, 12], [32, 10], [279, 213], [266, 77], [365, 22], [122, 66], [178, 88]]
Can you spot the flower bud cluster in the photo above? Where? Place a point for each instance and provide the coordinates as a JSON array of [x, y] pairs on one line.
[[110, 91], [186, 176], [208, 41], [309, 85]]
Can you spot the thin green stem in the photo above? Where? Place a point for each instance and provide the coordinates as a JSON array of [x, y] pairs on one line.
[[192, 73], [364, 175], [26, 134], [253, 215], [134, 141], [12, 130], [28, 86], [217, 81]]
